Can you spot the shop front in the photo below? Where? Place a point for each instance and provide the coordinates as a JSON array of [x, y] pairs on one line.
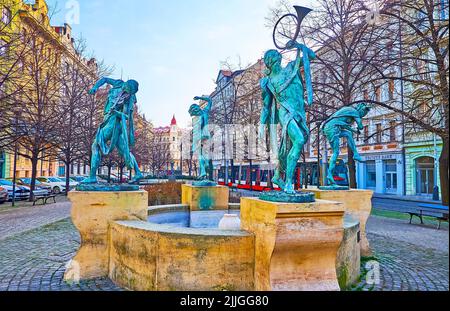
[[382, 173]]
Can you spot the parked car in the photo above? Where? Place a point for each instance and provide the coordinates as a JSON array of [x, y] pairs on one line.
[[78, 179], [58, 185], [40, 188], [72, 183], [3, 195], [22, 192], [113, 179]]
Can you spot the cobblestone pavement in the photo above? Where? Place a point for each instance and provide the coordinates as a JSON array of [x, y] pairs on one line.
[[14, 221], [410, 257], [36, 260], [35, 246]]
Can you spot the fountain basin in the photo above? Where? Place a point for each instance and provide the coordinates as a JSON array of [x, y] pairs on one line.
[[151, 256]]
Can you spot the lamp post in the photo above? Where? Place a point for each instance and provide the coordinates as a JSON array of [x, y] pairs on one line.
[[16, 126], [436, 172]]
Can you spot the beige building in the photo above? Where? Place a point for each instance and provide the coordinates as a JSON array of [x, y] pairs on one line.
[[171, 138]]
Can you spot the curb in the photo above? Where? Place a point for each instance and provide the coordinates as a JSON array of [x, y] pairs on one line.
[[407, 200]]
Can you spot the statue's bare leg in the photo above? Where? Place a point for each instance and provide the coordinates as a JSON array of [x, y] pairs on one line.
[[130, 159], [203, 165], [277, 180], [298, 140], [95, 164], [335, 146], [352, 145], [96, 158]]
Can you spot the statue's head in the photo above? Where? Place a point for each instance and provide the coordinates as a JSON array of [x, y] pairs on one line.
[[131, 87], [272, 58], [195, 110], [363, 109]]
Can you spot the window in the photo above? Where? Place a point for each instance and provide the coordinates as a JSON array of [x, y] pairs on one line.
[[379, 133], [371, 174], [366, 94], [6, 16], [393, 131], [3, 47], [378, 93], [391, 89], [366, 134], [443, 7]]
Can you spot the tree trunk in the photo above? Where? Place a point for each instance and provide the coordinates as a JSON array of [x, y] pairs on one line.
[[352, 170], [34, 165], [109, 173], [443, 171], [67, 178]]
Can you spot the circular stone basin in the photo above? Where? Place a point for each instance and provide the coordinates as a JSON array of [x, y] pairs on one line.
[[186, 219], [182, 251]]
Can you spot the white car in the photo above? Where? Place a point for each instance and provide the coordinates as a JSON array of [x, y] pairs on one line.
[[58, 185]]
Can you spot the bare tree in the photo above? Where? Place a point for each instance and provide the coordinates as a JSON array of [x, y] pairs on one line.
[[419, 41], [159, 155], [36, 115], [12, 52], [76, 76], [144, 137], [344, 43]]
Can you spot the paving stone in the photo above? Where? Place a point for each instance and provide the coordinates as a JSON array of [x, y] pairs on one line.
[[34, 250]]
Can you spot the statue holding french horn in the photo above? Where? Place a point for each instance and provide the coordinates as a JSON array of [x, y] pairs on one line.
[[286, 91]]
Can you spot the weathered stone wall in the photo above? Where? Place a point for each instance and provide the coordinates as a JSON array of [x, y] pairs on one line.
[[348, 263], [148, 257], [205, 198], [296, 244], [357, 203], [92, 213]]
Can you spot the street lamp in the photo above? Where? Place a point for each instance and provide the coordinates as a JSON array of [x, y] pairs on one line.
[[16, 126]]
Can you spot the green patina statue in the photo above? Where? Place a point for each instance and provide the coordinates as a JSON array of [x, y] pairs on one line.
[[338, 126], [114, 130], [201, 136], [284, 102]]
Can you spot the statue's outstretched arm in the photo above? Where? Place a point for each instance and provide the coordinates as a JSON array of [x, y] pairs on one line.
[[295, 68], [208, 99], [102, 82], [360, 124]]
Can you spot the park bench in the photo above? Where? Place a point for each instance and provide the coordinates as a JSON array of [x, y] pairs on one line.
[[440, 212], [44, 199]]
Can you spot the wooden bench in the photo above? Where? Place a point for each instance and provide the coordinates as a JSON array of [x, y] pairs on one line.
[[44, 199], [440, 212]]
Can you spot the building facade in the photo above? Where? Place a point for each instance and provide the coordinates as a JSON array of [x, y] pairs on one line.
[[422, 161], [31, 21], [169, 139]]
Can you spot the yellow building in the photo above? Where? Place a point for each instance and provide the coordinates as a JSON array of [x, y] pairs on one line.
[[171, 138], [28, 27]]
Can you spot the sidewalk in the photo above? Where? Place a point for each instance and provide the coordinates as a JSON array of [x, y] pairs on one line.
[[407, 198]]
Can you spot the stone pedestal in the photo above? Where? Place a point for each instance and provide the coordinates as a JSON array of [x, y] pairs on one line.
[[296, 245], [348, 264], [92, 213], [205, 198], [357, 203]]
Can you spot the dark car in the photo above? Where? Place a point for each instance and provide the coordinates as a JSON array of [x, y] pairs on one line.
[[21, 193], [40, 188], [3, 195]]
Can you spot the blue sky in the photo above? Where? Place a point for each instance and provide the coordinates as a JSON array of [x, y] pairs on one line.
[[173, 48]]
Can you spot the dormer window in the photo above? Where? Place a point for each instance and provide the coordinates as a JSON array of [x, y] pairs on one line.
[[6, 15]]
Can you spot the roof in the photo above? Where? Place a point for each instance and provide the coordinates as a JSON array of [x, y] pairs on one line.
[[161, 130], [174, 121]]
